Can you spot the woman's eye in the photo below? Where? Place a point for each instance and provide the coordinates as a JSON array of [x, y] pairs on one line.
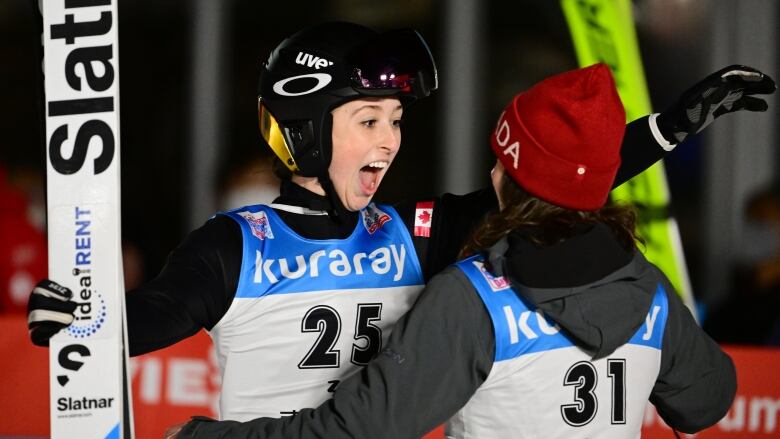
[[369, 123], [398, 122]]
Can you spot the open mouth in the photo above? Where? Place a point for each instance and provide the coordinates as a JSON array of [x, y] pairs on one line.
[[369, 175]]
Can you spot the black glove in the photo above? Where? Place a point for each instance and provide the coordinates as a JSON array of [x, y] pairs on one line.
[[722, 92], [49, 310]]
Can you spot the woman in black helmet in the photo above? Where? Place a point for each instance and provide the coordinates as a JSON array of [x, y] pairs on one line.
[[298, 294]]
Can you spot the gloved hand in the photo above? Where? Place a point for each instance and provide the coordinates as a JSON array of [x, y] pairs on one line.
[[49, 310], [725, 91]]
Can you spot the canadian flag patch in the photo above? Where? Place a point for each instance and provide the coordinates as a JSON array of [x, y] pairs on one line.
[[423, 217]]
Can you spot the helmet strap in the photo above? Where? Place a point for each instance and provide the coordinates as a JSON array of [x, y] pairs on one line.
[[324, 177], [335, 203]]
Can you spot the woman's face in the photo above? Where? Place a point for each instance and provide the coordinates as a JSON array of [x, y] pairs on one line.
[[496, 177], [366, 138]]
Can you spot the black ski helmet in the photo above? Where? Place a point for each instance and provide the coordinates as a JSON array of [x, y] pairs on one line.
[[324, 66]]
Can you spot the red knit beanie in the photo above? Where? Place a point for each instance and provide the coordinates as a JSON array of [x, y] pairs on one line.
[[560, 140]]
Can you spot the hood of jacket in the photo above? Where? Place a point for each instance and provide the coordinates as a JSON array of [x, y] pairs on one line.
[[592, 287]]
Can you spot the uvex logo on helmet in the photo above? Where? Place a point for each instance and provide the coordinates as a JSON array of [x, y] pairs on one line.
[[301, 85], [309, 60]]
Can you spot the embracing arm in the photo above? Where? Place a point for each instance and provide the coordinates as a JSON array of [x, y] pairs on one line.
[[193, 290], [454, 217], [697, 380], [436, 358]]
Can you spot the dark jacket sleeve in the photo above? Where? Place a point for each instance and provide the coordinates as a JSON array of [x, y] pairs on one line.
[[193, 290], [639, 151], [697, 380], [454, 217], [437, 356]]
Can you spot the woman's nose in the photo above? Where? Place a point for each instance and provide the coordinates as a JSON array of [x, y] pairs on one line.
[[390, 138]]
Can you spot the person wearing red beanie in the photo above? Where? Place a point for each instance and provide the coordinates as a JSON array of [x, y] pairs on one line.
[[553, 326], [570, 127]]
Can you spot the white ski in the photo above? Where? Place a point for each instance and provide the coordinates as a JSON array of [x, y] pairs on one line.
[[81, 66]]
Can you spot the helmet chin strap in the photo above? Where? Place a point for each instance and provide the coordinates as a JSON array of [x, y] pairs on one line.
[[335, 206], [336, 210]]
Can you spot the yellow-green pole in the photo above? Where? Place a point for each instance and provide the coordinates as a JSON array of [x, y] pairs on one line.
[[603, 31]]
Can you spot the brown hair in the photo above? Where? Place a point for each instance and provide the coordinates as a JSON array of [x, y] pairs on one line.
[[550, 224]]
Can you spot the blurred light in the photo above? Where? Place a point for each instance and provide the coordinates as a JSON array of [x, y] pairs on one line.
[[673, 20]]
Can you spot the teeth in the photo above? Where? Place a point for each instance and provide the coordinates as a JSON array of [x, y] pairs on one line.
[[379, 164]]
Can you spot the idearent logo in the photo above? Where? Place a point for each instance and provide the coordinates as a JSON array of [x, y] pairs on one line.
[[309, 60], [258, 223], [80, 330], [374, 218], [91, 311], [497, 283]]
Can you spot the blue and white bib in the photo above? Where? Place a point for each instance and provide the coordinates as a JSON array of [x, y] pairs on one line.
[[307, 313], [543, 386]]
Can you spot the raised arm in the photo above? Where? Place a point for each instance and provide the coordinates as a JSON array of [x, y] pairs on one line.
[[730, 89]]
